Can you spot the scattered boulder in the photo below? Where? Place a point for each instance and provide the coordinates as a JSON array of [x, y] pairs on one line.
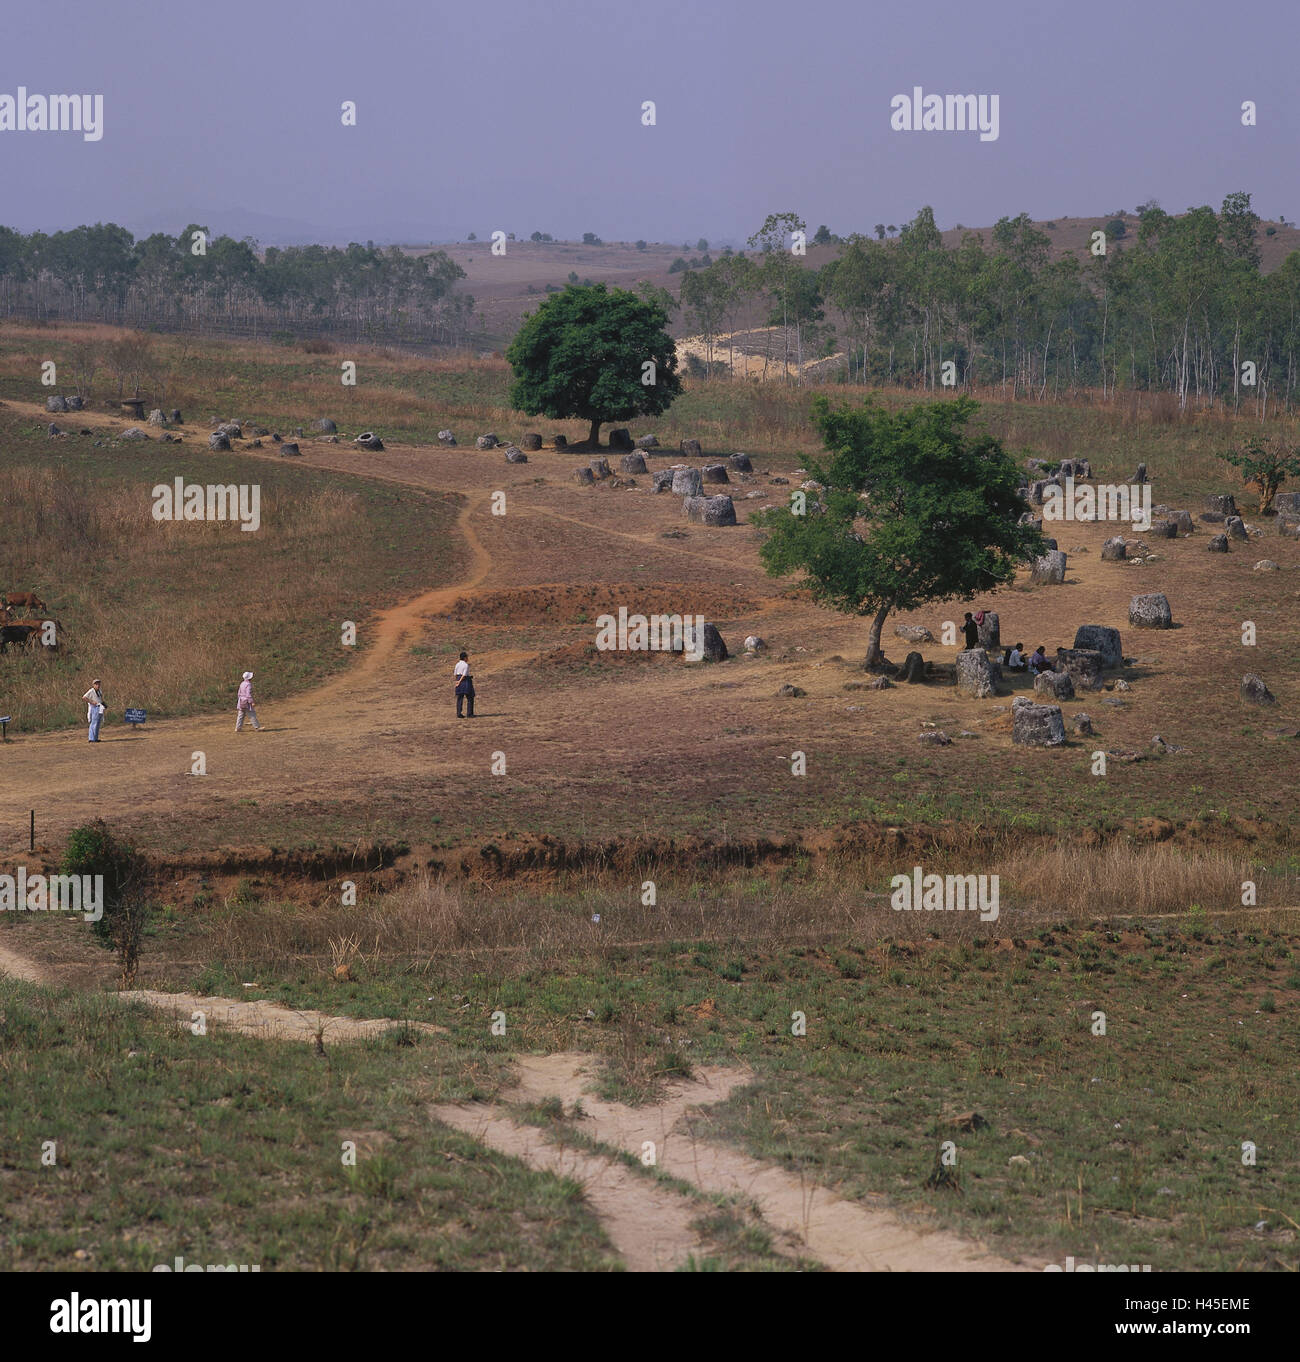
[[789, 692], [1083, 724], [779, 482], [690, 449], [56, 403], [1163, 529], [515, 455], [288, 447], [715, 650], [687, 482], [75, 403], [662, 480], [1036, 725], [156, 418], [1158, 744], [1122, 685], [1114, 550], [633, 463], [1287, 503], [1049, 570], [135, 433], [719, 510], [600, 467], [1255, 692], [232, 429], [647, 442], [1101, 639], [532, 442], [169, 439], [174, 416], [1235, 527], [560, 442], [1222, 505], [974, 675], [1083, 665], [1054, 685], [1140, 476], [369, 440], [52, 430], [913, 633], [754, 644], [1288, 526], [620, 440], [1183, 522], [715, 472], [325, 426], [913, 669], [990, 631], [1213, 517], [880, 683], [584, 476], [935, 738], [1150, 611], [1266, 565], [741, 463], [1218, 543], [487, 442]]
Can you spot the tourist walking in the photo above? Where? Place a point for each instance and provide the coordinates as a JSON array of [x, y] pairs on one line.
[[94, 699], [245, 705], [464, 687], [972, 631]]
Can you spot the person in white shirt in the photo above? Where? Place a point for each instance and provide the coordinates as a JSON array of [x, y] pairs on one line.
[[1016, 660], [464, 687], [94, 699]]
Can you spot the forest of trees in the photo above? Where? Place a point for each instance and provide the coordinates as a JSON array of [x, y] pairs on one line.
[[196, 281], [1179, 305]]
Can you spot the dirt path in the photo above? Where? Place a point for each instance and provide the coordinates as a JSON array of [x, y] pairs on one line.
[[648, 1223], [267, 1020], [19, 968], [845, 1236]]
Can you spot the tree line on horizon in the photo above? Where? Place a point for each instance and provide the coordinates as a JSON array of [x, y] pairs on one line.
[[1180, 306], [103, 274]]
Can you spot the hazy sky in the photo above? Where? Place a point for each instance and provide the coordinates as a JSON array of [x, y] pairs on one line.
[[525, 115]]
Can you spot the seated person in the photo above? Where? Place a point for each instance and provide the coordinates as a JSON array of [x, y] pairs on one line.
[[1038, 662], [1015, 659]]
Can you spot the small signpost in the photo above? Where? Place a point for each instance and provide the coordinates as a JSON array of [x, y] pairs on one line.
[[5, 720], [135, 717]]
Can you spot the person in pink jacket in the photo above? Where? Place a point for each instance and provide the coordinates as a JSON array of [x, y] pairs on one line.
[[245, 705]]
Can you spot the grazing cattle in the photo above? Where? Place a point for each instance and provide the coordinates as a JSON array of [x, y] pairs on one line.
[[20, 634], [29, 600]]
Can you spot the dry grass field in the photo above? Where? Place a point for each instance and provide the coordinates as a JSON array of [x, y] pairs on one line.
[[501, 865]]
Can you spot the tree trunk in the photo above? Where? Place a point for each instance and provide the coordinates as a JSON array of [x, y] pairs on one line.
[[593, 435], [874, 654]]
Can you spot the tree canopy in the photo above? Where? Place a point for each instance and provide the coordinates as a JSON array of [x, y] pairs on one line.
[[594, 354], [915, 509]]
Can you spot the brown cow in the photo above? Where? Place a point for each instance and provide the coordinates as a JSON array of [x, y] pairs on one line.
[[29, 600]]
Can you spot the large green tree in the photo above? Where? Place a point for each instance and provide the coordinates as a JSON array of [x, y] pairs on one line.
[[594, 354], [915, 509]]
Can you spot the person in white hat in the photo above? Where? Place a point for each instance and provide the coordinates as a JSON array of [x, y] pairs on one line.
[[245, 705]]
